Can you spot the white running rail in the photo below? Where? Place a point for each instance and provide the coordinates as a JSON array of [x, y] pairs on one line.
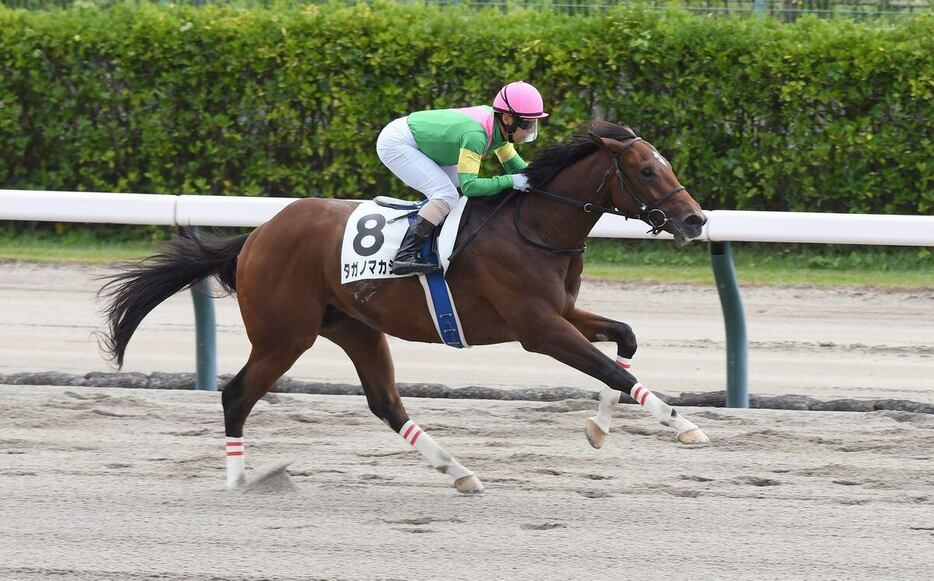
[[722, 225]]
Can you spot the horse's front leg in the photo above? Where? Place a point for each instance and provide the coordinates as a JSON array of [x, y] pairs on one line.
[[596, 328], [560, 339]]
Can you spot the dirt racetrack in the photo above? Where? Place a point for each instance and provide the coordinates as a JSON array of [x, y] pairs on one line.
[[824, 343], [114, 484], [129, 484]]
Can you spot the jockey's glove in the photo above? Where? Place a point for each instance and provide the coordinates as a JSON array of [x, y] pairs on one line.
[[520, 182]]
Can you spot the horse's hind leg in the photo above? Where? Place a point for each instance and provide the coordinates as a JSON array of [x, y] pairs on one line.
[[369, 352], [240, 395]]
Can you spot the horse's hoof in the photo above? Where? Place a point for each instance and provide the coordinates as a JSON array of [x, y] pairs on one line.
[[595, 435], [693, 436], [468, 485]]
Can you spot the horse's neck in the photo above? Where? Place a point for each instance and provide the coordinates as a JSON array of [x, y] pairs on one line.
[[563, 225]]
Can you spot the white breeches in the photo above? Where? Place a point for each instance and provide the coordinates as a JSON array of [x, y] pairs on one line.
[[397, 149]]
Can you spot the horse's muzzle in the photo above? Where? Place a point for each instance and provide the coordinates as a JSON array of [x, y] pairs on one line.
[[687, 229], [694, 224]]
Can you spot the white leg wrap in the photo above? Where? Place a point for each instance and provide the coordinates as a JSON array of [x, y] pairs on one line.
[[623, 362], [660, 410], [608, 399], [235, 471], [435, 454]]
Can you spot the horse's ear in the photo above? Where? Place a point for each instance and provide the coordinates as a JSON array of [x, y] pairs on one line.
[[602, 142]]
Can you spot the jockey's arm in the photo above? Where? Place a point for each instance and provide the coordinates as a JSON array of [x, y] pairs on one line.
[[468, 168], [509, 157]]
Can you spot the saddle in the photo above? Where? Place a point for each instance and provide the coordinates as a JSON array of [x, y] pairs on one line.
[[397, 204], [437, 294], [430, 250]]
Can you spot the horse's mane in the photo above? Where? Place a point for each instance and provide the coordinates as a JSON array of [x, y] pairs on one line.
[[554, 158]]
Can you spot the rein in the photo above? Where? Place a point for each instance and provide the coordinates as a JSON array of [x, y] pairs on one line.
[[473, 234], [549, 249]]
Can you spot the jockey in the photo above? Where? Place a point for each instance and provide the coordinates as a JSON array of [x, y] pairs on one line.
[[437, 152]]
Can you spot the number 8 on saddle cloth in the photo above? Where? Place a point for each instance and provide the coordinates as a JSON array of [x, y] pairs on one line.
[[372, 237]]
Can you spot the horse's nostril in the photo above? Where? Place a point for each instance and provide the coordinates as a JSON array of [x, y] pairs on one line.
[[696, 220]]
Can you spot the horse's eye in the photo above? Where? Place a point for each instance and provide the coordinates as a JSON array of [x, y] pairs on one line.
[[647, 172]]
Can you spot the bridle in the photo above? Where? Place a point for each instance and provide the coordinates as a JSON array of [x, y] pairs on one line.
[[652, 214]]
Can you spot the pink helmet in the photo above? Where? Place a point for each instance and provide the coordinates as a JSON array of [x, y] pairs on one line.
[[520, 99]]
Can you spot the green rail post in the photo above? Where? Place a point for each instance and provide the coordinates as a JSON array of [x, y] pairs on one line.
[[721, 257], [205, 334]]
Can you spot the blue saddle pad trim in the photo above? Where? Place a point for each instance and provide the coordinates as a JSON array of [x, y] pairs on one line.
[[444, 311], [440, 297]]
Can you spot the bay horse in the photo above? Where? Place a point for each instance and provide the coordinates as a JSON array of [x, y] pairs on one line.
[[516, 281]]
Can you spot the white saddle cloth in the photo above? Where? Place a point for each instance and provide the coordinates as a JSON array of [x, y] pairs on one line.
[[374, 233]]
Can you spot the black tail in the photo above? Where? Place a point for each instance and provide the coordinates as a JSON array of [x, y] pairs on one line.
[[140, 287]]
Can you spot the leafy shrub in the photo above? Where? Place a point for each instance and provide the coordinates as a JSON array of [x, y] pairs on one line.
[[819, 115]]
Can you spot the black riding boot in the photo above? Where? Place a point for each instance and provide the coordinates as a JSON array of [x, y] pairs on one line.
[[406, 260]]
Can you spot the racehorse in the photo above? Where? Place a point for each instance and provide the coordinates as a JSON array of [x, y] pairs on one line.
[[517, 280]]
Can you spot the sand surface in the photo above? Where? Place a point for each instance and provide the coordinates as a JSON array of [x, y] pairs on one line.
[[112, 484], [823, 343]]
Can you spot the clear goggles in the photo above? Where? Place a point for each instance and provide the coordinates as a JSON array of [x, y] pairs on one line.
[[530, 126]]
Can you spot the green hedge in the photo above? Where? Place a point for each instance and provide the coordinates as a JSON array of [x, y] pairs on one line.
[[818, 115]]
